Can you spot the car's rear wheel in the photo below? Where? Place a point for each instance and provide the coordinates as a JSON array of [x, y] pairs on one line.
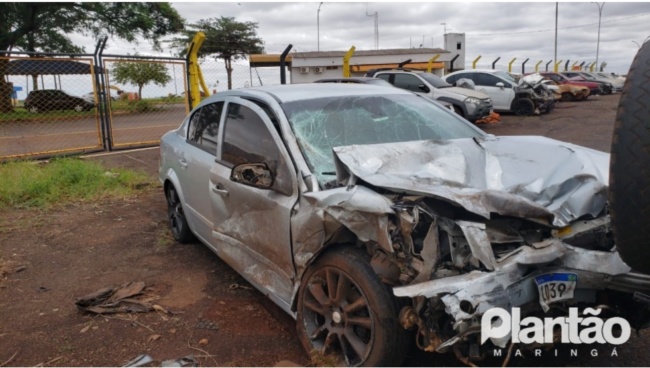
[[523, 107], [79, 108], [629, 178], [33, 109], [345, 312], [177, 221], [566, 97]]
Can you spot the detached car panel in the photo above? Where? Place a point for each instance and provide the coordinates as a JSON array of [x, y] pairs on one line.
[[333, 200]]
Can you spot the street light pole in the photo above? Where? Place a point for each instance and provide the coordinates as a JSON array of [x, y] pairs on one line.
[[600, 14], [318, 27]]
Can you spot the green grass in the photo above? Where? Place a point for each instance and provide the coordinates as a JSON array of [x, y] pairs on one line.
[[65, 180], [117, 106], [20, 114]]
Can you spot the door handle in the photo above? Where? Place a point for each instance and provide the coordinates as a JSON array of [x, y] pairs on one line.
[[219, 190], [183, 163]]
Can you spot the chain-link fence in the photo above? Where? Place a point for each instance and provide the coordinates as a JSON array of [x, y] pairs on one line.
[[146, 99], [62, 103], [48, 107]]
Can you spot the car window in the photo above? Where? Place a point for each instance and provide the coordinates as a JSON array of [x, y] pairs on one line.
[[434, 80], [323, 123], [408, 82], [385, 77], [246, 139], [204, 127], [488, 80], [453, 78], [555, 77], [506, 76]]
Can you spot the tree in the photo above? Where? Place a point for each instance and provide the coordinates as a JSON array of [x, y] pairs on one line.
[[141, 73], [225, 38], [46, 27]]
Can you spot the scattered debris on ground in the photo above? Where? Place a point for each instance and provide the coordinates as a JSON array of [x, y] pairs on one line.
[[493, 118], [117, 300]]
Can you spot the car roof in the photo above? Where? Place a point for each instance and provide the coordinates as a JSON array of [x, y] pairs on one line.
[[350, 79], [307, 91], [492, 71]]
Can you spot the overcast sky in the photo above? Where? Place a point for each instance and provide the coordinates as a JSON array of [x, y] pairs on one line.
[[508, 30]]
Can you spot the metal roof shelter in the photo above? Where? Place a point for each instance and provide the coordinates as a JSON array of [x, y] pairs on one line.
[[34, 66]]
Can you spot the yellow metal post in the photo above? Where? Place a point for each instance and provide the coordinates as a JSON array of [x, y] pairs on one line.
[[556, 67], [591, 67], [204, 86], [573, 65], [475, 61], [195, 94], [510, 65], [430, 66], [537, 66], [346, 62]]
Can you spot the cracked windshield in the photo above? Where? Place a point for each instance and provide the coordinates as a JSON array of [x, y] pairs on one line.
[[323, 123]]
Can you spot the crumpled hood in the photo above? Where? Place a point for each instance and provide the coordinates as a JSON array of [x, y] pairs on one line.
[[527, 177]]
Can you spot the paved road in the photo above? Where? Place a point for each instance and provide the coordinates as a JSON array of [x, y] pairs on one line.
[[43, 137]]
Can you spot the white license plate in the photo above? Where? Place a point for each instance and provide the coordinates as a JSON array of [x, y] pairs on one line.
[[555, 287]]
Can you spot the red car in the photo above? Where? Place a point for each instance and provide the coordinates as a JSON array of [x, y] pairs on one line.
[[594, 87]]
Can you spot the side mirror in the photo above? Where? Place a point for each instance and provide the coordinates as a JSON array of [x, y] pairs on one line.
[[500, 85], [255, 175], [424, 88]]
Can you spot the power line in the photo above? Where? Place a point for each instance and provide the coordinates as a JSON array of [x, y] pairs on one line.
[[552, 29]]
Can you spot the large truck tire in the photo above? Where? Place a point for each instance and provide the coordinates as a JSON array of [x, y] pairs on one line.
[[629, 178]]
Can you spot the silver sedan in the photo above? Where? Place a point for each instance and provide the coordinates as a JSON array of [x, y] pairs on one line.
[[367, 212]]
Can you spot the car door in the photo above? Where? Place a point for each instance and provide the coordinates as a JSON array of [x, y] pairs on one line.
[[412, 83], [251, 229], [195, 164], [501, 96]]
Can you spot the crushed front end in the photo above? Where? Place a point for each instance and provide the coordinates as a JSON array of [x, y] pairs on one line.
[[469, 225]]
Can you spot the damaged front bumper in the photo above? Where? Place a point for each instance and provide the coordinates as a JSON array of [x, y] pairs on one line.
[[512, 284]]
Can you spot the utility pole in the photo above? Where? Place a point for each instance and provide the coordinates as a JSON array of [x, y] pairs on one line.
[[600, 14], [318, 27], [555, 55], [444, 25], [376, 15]]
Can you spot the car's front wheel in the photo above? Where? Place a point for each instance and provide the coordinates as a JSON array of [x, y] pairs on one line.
[[347, 313], [79, 108], [523, 107], [177, 221]]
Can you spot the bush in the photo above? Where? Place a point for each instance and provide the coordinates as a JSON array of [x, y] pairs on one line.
[[139, 106]]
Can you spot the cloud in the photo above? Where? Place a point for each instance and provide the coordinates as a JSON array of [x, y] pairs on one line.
[[493, 29]]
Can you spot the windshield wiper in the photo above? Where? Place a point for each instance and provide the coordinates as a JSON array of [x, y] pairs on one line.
[[328, 173]]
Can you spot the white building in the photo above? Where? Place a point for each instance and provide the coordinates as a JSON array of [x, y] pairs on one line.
[[310, 66]]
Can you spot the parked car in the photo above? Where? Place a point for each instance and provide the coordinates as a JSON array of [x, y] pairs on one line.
[[567, 92], [90, 96], [594, 88], [606, 87], [54, 99], [506, 93], [472, 105], [373, 81], [617, 82], [362, 80], [336, 200]]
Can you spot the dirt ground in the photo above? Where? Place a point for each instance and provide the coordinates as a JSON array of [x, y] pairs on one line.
[[50, 258]]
